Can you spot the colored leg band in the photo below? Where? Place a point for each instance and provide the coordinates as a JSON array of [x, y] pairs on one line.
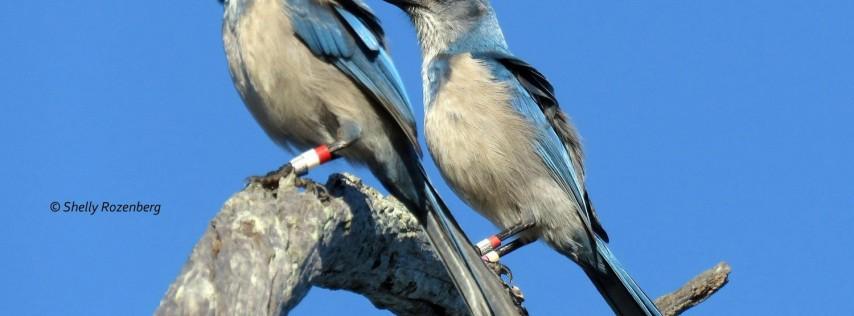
[[310, 159], [487, 245], [491, 256]]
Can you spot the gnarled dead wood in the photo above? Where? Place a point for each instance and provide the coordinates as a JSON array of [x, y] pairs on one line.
[[266, 249]]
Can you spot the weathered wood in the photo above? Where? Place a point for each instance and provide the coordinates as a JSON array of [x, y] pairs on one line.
[[695, 291], [266, 249]]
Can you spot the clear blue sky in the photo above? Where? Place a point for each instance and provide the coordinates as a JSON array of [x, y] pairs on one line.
[[715, 130]]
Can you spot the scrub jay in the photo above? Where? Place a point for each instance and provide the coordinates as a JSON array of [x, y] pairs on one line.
[[316, 73], [494, 127]]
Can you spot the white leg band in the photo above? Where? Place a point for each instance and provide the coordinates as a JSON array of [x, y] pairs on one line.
[[305, 161]]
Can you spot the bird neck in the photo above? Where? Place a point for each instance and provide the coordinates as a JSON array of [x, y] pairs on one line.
[[455, 36], [235, 8]]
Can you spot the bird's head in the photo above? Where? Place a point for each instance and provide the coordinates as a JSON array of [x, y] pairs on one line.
[[445, 10], [443, 23]]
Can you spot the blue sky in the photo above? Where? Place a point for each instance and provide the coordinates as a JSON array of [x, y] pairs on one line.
[[715, 130]]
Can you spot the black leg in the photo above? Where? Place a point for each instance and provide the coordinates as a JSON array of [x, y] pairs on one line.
[[512, 246], [494, 241], [495, 255]]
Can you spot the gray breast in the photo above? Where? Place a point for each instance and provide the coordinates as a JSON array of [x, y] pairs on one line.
[[478, 140], [485, 151], [292, 94]]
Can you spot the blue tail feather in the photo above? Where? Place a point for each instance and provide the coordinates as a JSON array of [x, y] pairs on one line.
[[478, 286], [617, 287]]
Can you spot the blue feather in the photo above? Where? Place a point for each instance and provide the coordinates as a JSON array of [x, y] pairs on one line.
[[438, 72], [348, 36], [554, 141], [625, 279], [367, 36], [627, 294], [620, 290], [549, 146]]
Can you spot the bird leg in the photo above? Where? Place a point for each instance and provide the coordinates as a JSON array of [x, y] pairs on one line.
[[494, 250], [487, 245], [491, 259], [301, 164], [491, 249], [495, 255]]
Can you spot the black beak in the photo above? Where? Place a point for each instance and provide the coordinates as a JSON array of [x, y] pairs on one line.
[[404, 4]]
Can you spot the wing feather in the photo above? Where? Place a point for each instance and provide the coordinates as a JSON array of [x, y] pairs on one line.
[[557, 142], [347, 34]]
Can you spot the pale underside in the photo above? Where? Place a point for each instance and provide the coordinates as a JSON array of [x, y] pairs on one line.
[[300, 100], [485, 152]]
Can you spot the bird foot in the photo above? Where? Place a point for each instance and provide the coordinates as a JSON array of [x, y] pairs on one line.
[[499, 269], [271, 179], [506, 277], [518, 298], [315, 188]]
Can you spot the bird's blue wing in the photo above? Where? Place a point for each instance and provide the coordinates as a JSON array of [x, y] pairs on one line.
[[533, 97], [348, 35]]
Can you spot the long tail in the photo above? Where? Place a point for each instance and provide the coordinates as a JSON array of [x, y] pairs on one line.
[[618, 288], [478, 286]]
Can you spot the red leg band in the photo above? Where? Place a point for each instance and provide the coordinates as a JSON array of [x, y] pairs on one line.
[[494, 241], [323, 153]]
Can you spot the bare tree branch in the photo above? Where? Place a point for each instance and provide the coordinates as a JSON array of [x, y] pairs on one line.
[[266, 249], [695, 291]]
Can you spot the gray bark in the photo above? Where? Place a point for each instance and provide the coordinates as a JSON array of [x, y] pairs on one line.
[[695, 291], [266, 249]]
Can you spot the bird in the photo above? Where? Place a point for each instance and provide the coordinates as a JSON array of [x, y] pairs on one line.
[[317, 76], [496, 131]]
